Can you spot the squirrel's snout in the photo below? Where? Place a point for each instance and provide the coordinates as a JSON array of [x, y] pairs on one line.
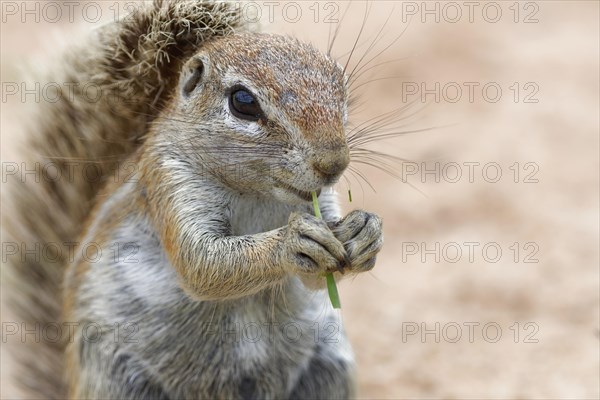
[[332, 164]]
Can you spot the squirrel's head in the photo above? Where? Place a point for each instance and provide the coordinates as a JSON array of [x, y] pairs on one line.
[[266, 114]]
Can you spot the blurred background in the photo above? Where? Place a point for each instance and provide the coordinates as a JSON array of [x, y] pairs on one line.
[[488, 284]]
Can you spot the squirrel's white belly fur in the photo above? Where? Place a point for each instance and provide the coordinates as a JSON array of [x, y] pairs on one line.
[[276, 332]]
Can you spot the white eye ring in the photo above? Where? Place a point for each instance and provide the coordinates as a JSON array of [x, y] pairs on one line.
[[244, 127]]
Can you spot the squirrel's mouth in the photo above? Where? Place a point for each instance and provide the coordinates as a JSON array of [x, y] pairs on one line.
[[304, 195]]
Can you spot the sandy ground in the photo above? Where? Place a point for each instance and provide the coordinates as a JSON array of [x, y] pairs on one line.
[[488, 285]]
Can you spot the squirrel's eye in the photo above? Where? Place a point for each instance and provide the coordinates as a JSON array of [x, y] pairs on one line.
[[244, 106]]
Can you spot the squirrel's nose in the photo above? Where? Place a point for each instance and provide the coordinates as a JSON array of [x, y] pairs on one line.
[[332, 164]]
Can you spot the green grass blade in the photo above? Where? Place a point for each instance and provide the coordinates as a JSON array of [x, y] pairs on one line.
[[334, 296]]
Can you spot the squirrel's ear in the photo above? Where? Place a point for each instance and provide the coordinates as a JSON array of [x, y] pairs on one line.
[[191, 75]]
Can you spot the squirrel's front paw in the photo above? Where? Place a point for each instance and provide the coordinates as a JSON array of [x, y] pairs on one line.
[[362, 235], [311, 247]]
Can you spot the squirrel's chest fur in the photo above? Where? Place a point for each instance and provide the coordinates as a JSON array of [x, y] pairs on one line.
[[150, 324], [250, 215]]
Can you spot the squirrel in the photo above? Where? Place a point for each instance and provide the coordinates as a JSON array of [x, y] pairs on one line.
[[209, 276]]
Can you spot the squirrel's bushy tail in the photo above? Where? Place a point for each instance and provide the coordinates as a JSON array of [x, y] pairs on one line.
[[118, 82]]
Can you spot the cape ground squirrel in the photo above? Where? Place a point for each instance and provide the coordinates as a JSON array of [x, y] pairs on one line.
[[207, 280]]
